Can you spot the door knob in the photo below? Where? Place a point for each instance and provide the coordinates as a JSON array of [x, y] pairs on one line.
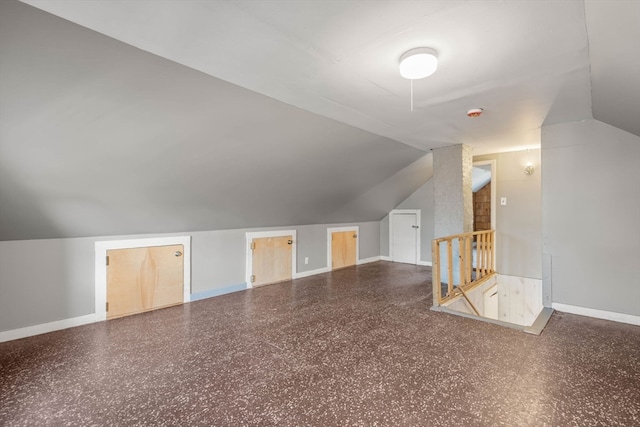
[[177, 253], [290, 242]]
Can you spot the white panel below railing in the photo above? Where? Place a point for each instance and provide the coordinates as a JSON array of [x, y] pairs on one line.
[[519, 299]]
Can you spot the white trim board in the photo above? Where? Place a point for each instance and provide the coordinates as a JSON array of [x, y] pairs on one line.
[[311, 272], [330, 230], [328, 270], [417, 212], [494, 180], [598, 314], [101, 267], [43, 328], [271, 233], [367, 260]]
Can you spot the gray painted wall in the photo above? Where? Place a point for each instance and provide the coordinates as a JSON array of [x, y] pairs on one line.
[[519, 223], [591, 207], [48, 280]]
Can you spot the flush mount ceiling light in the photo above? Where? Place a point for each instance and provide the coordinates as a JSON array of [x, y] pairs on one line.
[[418, 63]]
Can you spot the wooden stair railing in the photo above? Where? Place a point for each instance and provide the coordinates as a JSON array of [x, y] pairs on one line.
[[470, 259]]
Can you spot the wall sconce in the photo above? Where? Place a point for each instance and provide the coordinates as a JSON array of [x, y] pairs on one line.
[[529, 169]]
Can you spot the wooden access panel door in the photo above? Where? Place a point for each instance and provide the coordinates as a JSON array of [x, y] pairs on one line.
[[343, 249], [271, 260], [143, 279]]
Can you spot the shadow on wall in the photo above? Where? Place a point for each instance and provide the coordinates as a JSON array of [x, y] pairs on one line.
[[20, 210]]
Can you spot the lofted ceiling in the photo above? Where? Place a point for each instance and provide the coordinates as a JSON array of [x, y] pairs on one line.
[[175, 115], [527, 63]]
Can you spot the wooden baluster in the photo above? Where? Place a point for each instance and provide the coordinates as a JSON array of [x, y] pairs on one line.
[[479, 255], [463, 270], [450, 267], [469, 257], [437, 284], [491, 252]]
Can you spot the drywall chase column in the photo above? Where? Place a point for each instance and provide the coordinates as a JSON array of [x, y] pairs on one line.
[[452, 196], [452, 200]]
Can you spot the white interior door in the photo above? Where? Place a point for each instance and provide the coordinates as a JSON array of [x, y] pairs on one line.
[[405, 238]]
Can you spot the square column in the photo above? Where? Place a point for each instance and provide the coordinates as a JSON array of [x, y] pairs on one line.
[[453, 199]]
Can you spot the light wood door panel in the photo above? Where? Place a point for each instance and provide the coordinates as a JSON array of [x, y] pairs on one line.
[[343, 249], [271, 259], [143, 279]]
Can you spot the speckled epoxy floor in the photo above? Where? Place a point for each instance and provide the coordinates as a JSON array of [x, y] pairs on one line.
[[356, 347]]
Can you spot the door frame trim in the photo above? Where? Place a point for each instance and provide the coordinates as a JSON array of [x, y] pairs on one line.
[[493, 184], [271, 233], [101, 249], [417, 212], [330, 230]]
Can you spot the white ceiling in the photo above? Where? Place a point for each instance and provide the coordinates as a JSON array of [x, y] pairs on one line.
[[101, 138], [527, 63]]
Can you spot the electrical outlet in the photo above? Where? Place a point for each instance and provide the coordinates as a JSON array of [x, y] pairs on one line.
[[503, 201], [306, 260]]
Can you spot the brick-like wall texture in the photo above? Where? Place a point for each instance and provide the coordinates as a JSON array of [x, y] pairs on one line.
[[482, 208]]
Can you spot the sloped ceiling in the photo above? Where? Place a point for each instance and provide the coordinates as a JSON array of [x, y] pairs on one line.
[[100, 138], [524, 62], [614, 49], [209, 115]]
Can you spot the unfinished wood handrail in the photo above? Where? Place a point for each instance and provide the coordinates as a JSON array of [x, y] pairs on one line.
[[471, 271]]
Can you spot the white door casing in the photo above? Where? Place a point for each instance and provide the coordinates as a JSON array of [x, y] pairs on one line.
[[355, 229], [271, 233], [101, 249]]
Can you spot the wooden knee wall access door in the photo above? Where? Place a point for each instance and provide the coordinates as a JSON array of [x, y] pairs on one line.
[[143, 279], [343, 249], [271, 259]]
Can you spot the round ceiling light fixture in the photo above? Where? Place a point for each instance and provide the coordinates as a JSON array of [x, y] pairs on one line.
[[418, 63], [475, 112]]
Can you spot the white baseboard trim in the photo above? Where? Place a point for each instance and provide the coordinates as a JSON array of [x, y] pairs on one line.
[[598, 314], [44, 328], [425, 263], [312, 272], [327, 269], [368, 260], [217, 292]]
